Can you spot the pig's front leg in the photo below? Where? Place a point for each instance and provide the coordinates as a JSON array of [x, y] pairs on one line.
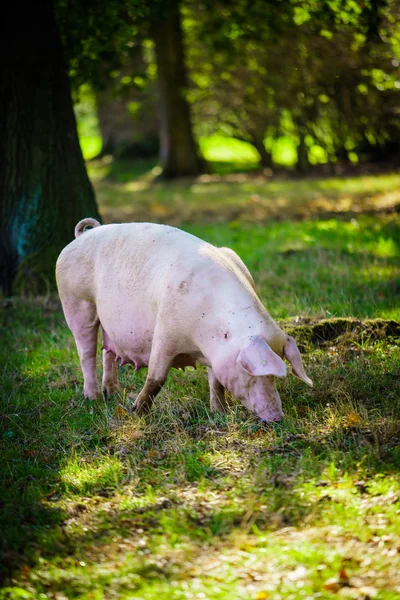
[[144, 401], [159, 365], [217, 393], [110, 380]]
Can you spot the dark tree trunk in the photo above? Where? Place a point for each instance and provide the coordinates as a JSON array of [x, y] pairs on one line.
[[265, 156], [44, 187], [302, 164], [178, 153]]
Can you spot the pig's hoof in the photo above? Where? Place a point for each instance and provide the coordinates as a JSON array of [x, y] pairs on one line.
[[141, 408], [94, 396], [109, 391]]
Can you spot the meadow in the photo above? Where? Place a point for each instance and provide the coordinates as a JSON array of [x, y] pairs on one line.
[[188, 504]]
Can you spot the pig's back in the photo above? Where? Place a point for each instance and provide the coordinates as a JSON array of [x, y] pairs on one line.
[[124, 257]]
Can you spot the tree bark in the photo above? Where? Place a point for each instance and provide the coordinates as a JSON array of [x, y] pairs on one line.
[[302, 164], [178, 152], [265, 156], [44, 187]]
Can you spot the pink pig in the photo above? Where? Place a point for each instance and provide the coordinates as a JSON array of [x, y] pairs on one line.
[[164, 298]]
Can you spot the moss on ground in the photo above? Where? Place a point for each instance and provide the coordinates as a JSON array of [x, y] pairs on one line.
[[340, 330]]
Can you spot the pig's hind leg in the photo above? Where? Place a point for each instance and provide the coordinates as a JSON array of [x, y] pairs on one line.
[[110, 380], [82, 320], [217, 393]]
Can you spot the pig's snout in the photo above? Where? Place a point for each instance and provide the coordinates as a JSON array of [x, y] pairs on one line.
[[271, 416]]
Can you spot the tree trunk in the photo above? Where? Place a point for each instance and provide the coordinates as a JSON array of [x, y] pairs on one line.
[[178, 153], [44, 187], [302, 164], [265, 156]]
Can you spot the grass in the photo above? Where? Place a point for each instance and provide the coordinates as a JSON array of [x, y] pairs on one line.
[[133, 194], [319, 268], [188, 504]]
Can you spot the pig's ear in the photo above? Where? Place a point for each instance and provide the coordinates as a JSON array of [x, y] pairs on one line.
[[292, 353], [259, 359]]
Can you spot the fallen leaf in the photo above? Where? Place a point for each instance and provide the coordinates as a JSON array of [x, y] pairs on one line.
[[332, 585]]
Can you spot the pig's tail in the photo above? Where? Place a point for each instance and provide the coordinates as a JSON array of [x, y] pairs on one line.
[[82, 225]]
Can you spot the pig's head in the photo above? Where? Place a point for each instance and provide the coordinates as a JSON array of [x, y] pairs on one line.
[[251, 375]]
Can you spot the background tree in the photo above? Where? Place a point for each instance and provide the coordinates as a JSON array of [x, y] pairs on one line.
[[104, 48], [179, 155]]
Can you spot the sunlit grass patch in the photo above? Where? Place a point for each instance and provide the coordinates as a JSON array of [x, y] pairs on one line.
[[90, 145], [83, 476], [223, 149]]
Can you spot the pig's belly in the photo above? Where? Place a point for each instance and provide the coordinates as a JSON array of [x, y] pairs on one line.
[[127, 333], [130, 339]]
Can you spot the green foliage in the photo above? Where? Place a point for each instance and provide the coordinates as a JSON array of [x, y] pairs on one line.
[[307, 70], [322, 74], [100, 32]]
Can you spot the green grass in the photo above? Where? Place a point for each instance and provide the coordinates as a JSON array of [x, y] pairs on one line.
[[218, 148], [319, 268], [127, 192], [189, 504]]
